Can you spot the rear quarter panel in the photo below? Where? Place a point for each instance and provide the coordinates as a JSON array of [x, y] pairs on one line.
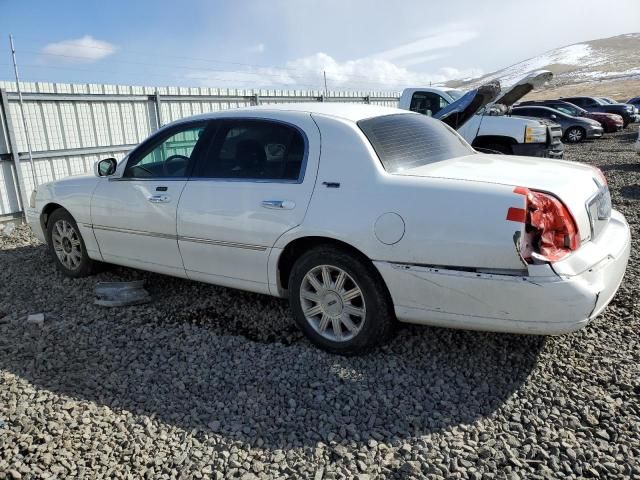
[[446, 222]]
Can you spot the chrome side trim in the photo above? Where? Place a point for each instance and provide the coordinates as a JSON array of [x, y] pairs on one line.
[[167, 236], [221, 243], [134, 232]]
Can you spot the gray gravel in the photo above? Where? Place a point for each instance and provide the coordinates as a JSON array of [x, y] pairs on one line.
[[226, 387]]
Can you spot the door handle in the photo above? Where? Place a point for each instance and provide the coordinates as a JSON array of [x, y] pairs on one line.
[[159, 198], [278, 204]]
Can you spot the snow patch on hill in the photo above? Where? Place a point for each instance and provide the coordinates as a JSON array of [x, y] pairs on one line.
[[570, 55], [604, 59]]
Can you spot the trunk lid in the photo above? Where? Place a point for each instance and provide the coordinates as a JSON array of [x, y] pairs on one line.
[[575, 184]]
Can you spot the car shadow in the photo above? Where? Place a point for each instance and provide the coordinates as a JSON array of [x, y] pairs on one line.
[[622, 167], [255, 380], [631, 191], [630, 136]]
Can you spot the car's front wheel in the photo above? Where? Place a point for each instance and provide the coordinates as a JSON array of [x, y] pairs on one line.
[[67, 246], [340, 301], [575, 135]]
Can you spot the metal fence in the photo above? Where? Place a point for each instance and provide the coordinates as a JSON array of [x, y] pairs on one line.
[[73, 125]]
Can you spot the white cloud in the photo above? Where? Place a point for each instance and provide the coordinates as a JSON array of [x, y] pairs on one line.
[[368, 73], [258, 48], [82, 50], [413, 53], [386, 70]]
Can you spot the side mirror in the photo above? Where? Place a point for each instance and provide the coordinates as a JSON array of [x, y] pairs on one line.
[[105, 167], [553, 116]]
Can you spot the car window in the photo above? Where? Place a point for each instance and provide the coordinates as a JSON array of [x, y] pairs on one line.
[[540, 112], [404, 141], [427, 103], [567, 110], [255, 150], [169, 155]]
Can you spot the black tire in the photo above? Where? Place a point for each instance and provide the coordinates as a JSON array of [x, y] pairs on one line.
[[379, 318], [575, 135], [85, 266], [496, 147]]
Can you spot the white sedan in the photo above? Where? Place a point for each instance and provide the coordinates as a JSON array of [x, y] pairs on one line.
[[360, 215]]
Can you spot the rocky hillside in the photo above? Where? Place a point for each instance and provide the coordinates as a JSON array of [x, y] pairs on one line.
[[607, 66]]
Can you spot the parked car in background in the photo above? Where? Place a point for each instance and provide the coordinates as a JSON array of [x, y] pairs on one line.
[[635, 101], [610, 121], [359, 214], [574, 129], [593, 104], [489, 129]]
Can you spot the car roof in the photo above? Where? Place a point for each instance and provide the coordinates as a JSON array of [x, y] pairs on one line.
[[353, 112], [538, 107]]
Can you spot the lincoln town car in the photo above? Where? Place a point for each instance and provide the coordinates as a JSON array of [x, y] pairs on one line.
[[360, 215]]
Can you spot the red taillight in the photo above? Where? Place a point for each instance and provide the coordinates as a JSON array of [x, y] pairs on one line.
[[550, 232]]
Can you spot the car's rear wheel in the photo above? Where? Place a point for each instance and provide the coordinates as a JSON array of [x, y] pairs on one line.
[[574, 135], [340, 301], [67, 246]]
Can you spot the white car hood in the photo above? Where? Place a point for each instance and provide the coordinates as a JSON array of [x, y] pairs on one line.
[[571, 182]]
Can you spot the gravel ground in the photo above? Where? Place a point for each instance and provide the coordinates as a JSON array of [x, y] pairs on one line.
[[226, 387]]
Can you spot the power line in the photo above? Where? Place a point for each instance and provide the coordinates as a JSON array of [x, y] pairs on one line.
[[224, 77], [155, 74], [147, 54]]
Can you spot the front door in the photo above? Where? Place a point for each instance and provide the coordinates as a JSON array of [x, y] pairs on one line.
[[134, 212], [253, 185]]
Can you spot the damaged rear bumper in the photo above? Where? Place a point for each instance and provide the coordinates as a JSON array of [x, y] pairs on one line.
[[545, 302]]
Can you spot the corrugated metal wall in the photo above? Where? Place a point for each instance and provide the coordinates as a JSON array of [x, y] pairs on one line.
[[73, 125]]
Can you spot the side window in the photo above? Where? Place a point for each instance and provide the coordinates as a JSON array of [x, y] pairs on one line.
[[255, 150], [427, 103], [579, 101], [589, 102], [169, 156]]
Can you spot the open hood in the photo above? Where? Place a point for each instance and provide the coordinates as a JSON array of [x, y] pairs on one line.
[[534, 80], [457, 113]]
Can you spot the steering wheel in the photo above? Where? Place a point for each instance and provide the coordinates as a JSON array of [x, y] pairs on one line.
[[173, 163]]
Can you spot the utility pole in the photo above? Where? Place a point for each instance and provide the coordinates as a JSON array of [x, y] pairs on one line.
[[24, 118], [326, 92]]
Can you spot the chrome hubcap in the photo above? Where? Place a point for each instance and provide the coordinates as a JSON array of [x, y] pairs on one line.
[[575, 135], [66, 244], [332, 303]]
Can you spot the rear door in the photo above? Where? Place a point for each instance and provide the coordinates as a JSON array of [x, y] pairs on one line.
[[254, 184]]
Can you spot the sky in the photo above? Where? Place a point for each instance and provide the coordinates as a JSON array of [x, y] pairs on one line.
[[358, 44]]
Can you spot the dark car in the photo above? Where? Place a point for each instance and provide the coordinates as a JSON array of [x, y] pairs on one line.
[[593, 104], [574, 129], [635, 101], [610, 122]]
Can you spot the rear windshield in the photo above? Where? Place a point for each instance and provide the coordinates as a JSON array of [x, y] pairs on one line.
[[405, 141]]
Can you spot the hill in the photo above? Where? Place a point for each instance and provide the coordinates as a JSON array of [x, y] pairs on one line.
[[604, 67]]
